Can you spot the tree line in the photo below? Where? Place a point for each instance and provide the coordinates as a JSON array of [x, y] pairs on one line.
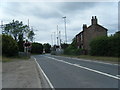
[[14, 35]]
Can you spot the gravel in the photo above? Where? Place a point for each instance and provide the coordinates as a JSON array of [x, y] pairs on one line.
[[20, 74]]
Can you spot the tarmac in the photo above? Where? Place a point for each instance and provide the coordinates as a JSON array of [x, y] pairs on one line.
[[22, 74]]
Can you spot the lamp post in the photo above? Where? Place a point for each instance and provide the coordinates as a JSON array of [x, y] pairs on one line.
[[65, 29], [57, 36], [2, 27], [54, 38], [51, 39], [60, 38]]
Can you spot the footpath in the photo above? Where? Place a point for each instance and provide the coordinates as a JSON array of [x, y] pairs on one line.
[[22, 74]]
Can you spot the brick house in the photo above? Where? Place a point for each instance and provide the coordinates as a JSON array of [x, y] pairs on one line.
[[88, 33]]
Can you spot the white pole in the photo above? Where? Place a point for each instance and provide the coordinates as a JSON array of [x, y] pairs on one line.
[[51, 39], [60, 38], [65, 29], [28, 22], [54, 39], [57, 36], [2, 26]]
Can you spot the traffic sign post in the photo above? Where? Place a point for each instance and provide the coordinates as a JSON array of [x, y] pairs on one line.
[[27, 47]]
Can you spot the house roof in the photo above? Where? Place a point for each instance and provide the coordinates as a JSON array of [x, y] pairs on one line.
[[79, 33], [99, 26]]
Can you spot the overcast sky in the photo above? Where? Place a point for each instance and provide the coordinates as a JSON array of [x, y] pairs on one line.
[[45, 16]]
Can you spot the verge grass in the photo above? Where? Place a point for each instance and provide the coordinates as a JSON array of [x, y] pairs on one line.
[[10, 59], [98, 58]]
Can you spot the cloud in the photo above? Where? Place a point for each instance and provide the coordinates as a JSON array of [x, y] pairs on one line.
[[45, 16], [76, 6]]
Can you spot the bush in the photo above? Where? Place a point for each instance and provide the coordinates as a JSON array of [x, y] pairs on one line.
[[0, 44], [71, 50], [9, 46], [114, 45], [64, 45], [99, 46], [47, 47], [20, 46], [106, 46], [37, 48]]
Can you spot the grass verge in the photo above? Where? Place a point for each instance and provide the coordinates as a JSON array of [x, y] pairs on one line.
[[98, 58], [9, 59]]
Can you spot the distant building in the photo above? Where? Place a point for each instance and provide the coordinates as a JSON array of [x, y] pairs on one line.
[[88, 33]]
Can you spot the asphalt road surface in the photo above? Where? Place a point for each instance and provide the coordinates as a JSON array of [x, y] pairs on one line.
[[64, 72]]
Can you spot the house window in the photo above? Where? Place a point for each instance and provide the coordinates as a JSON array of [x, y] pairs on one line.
[[81, 36], [77, 39], [82, 46]]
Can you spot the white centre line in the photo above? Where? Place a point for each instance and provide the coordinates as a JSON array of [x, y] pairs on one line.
[[89, 69]]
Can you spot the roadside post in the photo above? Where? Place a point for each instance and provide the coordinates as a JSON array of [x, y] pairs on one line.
[[27, 48]]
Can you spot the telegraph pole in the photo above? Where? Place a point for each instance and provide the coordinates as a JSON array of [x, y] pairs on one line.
[[57, 36], [60, 38], [54, 38], [2, 26], [51, 39], [28, 23], [65, 29]]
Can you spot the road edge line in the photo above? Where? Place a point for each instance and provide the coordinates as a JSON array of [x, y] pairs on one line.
[[86, 68], [95, 61], [50, 84]]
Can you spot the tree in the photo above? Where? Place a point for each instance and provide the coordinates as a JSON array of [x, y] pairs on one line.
[[47, 47], [16, 29], [9, 46], [37, 48], [19, 32], [20, 43], [0, 44], [30, 35], [74, 42], [64, 45]]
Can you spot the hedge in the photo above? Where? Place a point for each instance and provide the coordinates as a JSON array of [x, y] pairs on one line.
[[106, 46], [71, 50], [37, 48], [9, 46]]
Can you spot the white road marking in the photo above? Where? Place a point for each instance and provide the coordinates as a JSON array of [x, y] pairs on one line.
[[118, 75], [89, 69], [44, 75], [90, 61]]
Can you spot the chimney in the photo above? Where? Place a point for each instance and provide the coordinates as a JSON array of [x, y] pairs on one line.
[[94, 20], [84, 27]]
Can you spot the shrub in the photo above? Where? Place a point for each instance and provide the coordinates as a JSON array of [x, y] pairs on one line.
[[99, 46], [106, 46], [37, 48], [64, 45], [20, 46], [114, 45], [0, 44], [71, 50], [47, 47], [9, 46]]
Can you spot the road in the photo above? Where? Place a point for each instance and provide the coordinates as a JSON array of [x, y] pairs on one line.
[[64, 72]]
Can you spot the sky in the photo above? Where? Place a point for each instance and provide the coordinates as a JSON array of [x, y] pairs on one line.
[[45, 16]]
